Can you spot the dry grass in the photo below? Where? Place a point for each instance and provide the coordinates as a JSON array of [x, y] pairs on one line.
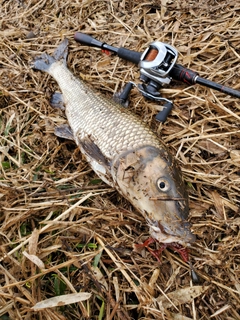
[[54, 207]]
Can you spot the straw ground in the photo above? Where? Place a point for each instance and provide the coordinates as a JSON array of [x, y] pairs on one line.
[[63, 231]]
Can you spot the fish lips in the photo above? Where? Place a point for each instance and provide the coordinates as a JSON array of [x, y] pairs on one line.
[[174, 232], [172, 226], [181, 230], [171, 221]]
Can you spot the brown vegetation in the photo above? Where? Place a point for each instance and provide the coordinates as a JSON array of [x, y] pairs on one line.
[[64, 231]]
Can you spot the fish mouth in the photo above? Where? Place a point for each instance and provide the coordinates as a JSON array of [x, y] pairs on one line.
[[180, 234]]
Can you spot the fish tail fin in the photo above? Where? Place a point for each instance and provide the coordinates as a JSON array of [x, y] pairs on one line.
[[61, 52], [45, 61]]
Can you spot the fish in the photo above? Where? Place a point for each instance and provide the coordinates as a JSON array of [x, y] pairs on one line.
[[123, 151]]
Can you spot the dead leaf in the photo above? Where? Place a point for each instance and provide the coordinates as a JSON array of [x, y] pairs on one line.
[[176, 26], [203, 37], [101, 65], [116, 287], [33, 241], [181, 296], [179, 316], [210, 147], [235, 222], [163, 7], [99, 276], [32, 257], [218, 203], [235, 157], [183, 49], [230, 205], [218, 312], [61, 300]]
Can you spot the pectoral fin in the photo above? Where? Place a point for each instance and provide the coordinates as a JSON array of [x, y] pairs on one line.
[[99, 163], [64, 131]]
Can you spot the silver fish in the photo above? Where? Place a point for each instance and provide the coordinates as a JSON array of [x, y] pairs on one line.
[[123, 151]]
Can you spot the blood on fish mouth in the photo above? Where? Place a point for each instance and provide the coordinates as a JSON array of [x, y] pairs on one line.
[[182, 251]]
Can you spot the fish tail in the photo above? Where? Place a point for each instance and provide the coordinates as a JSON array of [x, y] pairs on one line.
[[45, 61]]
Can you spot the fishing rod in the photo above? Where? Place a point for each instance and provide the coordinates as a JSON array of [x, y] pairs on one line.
[[158, 66]]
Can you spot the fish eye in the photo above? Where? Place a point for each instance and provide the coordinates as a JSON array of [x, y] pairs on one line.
[[163, 184]]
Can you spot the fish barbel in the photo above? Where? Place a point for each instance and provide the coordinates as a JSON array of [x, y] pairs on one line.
[[123, 151]]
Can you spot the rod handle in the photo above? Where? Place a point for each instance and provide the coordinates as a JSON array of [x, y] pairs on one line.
[[87, 40]]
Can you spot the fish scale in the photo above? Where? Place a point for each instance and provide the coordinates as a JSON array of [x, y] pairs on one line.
[[93, 115], [124, 152]]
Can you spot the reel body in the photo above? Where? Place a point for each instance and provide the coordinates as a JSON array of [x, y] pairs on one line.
[[158, 67]]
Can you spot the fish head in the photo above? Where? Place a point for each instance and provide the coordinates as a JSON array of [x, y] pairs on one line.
[[151, 180]]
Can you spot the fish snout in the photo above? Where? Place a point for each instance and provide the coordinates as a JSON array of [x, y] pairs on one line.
[[181, 230]]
